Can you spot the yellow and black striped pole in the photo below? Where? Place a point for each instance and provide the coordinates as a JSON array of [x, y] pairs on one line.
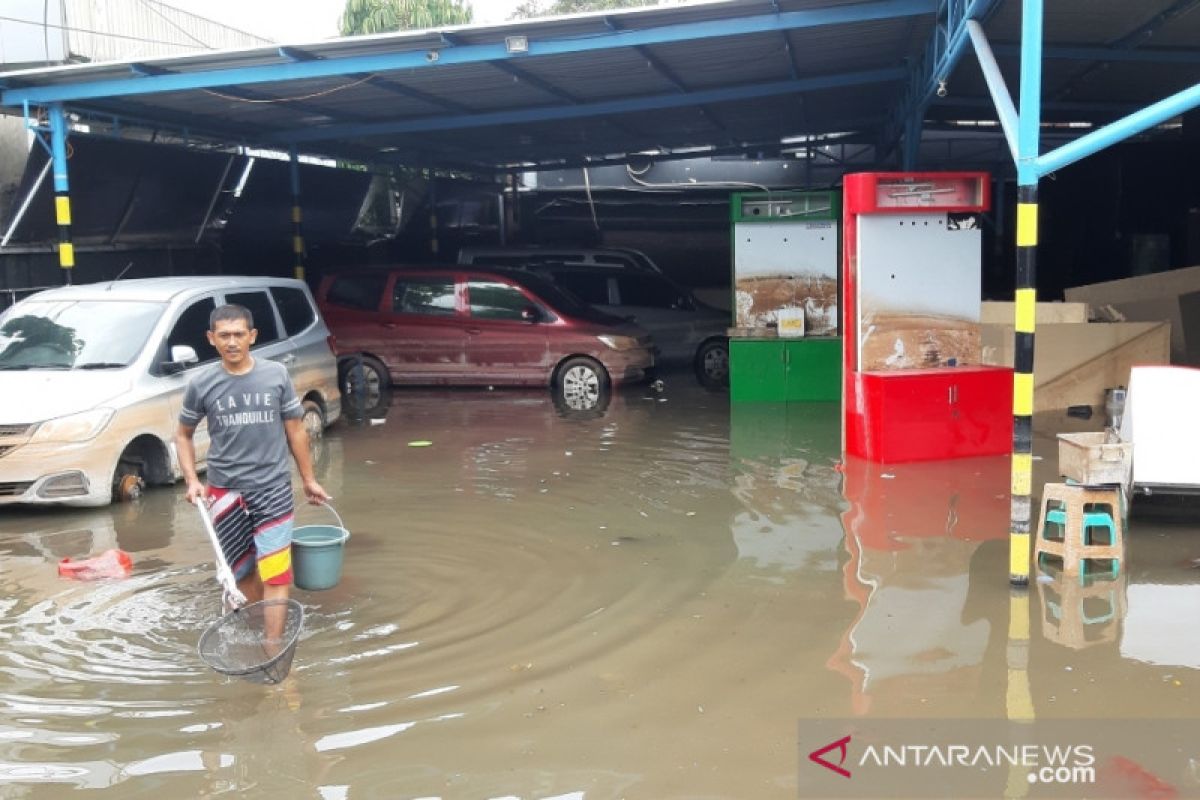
[[297, 217], [1026, 318], [62, 199], [1018, 700]]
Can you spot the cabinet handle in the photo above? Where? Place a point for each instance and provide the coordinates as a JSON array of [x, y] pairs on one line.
[[953, 395]]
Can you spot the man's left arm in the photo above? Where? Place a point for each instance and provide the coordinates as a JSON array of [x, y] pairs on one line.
[[297, 438]]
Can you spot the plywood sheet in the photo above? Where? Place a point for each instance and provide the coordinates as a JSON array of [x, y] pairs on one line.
[[1158, 296], [1074, 364]]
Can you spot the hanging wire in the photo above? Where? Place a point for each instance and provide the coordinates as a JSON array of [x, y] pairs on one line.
[[269, 100]]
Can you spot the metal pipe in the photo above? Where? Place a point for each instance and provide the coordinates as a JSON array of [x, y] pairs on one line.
[[501, 213], [25, 203], [297, 231], [995, 83], [1030, 123], [1120, 130], [216, 194]]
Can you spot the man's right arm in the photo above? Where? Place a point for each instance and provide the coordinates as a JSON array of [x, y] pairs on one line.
[[186, 448], [190, 416]]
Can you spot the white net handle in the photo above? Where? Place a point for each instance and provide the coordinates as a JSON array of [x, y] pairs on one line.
[[224, 573]]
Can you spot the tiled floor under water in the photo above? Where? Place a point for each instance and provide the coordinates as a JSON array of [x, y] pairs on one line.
[[648, 600]]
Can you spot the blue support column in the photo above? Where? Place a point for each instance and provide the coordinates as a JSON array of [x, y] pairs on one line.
[[1028, 143], [297, 231], [62, 201]]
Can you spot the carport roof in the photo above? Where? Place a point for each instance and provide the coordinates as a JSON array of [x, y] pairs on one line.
[[740, 75]]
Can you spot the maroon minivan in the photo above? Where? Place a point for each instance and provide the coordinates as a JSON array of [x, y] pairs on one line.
[[462, 325]]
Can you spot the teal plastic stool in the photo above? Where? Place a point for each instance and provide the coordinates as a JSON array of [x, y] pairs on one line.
[[1091, 519], [1057, 525]]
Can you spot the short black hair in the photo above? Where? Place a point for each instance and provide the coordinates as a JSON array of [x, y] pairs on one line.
[[230, 312]]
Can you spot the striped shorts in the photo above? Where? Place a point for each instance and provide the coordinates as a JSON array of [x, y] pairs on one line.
[[254, 526]]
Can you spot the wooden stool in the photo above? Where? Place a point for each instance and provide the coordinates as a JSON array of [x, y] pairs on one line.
[[1070, 517]]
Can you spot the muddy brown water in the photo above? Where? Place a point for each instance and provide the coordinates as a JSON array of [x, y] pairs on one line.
[[641, 602]]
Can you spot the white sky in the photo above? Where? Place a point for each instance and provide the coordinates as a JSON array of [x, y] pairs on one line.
[[304, 20]]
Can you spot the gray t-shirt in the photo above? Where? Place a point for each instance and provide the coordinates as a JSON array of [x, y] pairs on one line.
[[245, 423]]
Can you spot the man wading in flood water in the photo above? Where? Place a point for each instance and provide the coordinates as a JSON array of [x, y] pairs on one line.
[[254, 418]]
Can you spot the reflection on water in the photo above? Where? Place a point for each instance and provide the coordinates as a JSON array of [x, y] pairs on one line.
[[911, 533], [637, 602]]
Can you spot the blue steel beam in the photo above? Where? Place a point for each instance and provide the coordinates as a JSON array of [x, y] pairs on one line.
[[416, 94], [1073, 53], [593, 109], [1005, 109], [669, 75], [1129, 41], [508, 68], [470, 54], [1060, 107], [1120, 130], [942, 53]]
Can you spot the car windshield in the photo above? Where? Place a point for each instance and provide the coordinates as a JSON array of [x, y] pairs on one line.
[[84, 334]]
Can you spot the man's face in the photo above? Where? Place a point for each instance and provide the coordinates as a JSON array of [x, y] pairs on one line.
[[232, 339]]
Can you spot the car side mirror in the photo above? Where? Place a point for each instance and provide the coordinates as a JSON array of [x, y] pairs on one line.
[[182, 355], [530, 314]]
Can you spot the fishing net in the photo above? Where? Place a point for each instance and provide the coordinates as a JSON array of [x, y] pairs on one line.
[[256, 642]]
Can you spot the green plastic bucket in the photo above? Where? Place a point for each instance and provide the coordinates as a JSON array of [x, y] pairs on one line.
[[317, 552]]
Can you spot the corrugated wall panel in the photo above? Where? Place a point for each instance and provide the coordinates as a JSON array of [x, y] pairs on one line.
[[113, 30]]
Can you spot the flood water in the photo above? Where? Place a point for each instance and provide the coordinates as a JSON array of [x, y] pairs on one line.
[[644, 601]]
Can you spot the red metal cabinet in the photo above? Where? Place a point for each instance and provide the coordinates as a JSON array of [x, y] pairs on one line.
[[921, 415]]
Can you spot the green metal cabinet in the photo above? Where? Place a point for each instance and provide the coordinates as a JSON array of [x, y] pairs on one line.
[[775, 370]]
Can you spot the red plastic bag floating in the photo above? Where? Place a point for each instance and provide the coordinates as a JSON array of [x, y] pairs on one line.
[[109, 564]]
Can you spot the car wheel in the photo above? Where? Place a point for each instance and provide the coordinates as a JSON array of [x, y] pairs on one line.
[[128, 481], [581, 383], [712, 363], [314, 420], [368, 391]]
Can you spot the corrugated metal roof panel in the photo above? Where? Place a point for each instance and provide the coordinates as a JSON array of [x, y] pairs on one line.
[[440, 93]]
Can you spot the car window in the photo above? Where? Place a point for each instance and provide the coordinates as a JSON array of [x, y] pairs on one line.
[[357, 291], [495, 300], [424, 295], [191, 329], [649, 291], [294, 307], [589, 288], [264, 315]]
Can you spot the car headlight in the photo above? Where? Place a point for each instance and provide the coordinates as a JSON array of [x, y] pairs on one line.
[[74, 428], [619, 342]]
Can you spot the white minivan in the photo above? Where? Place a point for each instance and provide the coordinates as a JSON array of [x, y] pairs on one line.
[[92, 379]]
